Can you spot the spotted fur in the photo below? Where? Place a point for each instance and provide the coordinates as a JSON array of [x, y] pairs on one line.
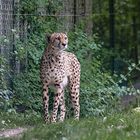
[[60, 68]]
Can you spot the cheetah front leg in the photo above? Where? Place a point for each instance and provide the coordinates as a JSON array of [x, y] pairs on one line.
[[56, 103], [74, 93], [46, 103], [62, 107]]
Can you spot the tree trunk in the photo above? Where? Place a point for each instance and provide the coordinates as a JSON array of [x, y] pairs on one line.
[[112, 30], [6, 24], [67, 16], [84, 14]]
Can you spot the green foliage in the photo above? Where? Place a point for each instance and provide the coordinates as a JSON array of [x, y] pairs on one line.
[[125, 126], [28, 91], [113, 127], [98, 93], [126, 28], [93, 101], [99, 90], [27, 85], [11, 119], [4, 67]]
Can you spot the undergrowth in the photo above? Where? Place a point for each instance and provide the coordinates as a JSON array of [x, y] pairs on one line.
[[125, 126], [100, 91]]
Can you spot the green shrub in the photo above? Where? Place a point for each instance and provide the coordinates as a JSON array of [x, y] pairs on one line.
[[99, 90], [97, 95]]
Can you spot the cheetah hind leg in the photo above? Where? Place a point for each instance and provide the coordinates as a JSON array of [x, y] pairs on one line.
[[74, 93], [75, 104]]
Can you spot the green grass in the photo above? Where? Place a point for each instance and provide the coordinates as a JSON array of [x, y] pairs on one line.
[[124, 126]]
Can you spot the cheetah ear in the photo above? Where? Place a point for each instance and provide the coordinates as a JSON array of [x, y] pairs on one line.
[[48, 38]]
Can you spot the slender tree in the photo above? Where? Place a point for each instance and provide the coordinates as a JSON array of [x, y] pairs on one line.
[[112, 30]]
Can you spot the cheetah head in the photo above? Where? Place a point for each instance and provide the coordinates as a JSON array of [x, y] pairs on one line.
[[58, 41]]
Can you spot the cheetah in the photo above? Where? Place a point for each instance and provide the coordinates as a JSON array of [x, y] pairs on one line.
[[59, 68]]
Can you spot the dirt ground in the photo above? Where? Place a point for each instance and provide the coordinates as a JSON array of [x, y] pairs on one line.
[[12, 132]]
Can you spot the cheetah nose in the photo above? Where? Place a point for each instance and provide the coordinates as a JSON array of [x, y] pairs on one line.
[[64, 44]]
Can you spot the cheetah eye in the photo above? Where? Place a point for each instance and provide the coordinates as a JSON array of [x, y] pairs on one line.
[[58, 38]]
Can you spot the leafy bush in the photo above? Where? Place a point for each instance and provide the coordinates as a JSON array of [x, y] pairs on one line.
[[99, 90]]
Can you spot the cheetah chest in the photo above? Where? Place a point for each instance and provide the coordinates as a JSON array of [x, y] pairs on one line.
[[57, 74]]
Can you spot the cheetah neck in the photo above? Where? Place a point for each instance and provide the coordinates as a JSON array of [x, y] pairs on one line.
[[53, 54]]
